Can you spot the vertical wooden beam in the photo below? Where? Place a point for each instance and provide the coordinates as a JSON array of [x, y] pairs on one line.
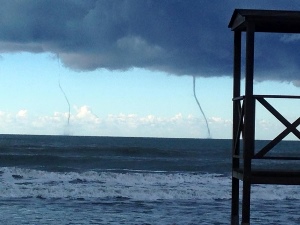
[[249, 123], [235, 130], [236, 89]]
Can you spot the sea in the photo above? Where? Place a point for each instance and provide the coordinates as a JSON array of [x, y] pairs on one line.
[[125, 180]]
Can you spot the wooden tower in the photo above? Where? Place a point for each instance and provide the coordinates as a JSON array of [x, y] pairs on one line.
[[244, 154]]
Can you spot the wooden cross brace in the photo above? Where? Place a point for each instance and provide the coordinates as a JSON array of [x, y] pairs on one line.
[[290, 128]]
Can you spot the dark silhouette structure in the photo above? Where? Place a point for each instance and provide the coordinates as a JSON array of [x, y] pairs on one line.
[[244, 154]]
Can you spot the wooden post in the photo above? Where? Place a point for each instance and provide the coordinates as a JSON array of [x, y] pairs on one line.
[[235, 133], [249, 123]]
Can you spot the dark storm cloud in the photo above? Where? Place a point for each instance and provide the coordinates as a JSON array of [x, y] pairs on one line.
[[177, 37]]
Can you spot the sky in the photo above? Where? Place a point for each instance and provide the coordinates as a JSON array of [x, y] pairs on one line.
[[126, 68]]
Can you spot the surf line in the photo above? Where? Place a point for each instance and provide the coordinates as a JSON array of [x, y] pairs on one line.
[[66, 98], [198, 103]]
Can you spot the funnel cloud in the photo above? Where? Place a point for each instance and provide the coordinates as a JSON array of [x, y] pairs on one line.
[[200, 108], [67, 100], [63, 92]]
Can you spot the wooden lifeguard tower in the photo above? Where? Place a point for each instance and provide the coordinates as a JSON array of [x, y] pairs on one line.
[[244, 155]]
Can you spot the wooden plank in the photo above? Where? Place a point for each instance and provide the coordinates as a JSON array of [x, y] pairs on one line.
[[266, 20], [236, 127], [271, 177], [236, 133], [236, 93], [235, 201], [238, 98], [275, 180], [278, 96], [249, 123], [280, 158]]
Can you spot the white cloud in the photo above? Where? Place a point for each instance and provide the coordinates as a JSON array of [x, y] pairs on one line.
[[84, 113], [220, 121], [269, 128], [216, 119], [22, 113], [5, 118], [265, 124], [84, 122]]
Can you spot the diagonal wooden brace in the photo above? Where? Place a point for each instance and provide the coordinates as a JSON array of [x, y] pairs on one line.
[[240, 127], [284, 121], [276, 140]]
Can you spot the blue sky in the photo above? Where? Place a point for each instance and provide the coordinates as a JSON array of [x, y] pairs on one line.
[[125, 77], [136, 102]]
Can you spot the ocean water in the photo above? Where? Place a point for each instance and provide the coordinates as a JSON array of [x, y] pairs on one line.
[[109, 180]]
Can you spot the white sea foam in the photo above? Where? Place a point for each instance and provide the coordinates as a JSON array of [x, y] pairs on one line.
[[24, 183]]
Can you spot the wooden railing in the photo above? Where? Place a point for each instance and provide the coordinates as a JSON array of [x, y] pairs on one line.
[[290, 127]]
